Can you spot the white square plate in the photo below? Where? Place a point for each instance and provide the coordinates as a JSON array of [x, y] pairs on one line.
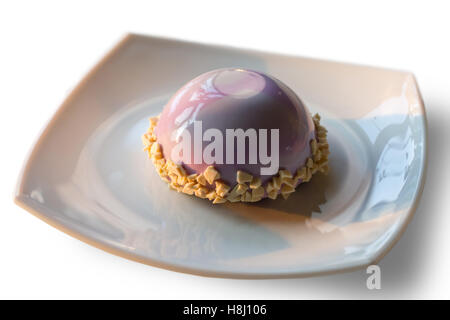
[[88, 176]]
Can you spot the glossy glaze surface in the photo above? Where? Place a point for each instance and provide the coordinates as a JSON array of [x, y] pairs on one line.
[[232, 98], [102, 189]]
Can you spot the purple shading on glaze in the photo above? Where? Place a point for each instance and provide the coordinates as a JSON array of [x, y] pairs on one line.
[[234, 98]]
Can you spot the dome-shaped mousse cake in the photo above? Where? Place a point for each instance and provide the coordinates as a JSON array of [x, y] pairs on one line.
[[236, 135]]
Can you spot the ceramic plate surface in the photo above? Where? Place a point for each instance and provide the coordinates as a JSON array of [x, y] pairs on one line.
[[89, 176]]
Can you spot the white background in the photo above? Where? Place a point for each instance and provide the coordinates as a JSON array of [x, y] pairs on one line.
[[46, 47]]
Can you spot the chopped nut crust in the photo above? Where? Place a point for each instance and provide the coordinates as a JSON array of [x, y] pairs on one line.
[[211, 174], [243, 177], [256, 182], [248, 188]]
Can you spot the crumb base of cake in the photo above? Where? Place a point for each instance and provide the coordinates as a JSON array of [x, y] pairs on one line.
[[247, 188]]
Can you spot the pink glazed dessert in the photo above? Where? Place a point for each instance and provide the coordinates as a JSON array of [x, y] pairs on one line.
[[234, 135]]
